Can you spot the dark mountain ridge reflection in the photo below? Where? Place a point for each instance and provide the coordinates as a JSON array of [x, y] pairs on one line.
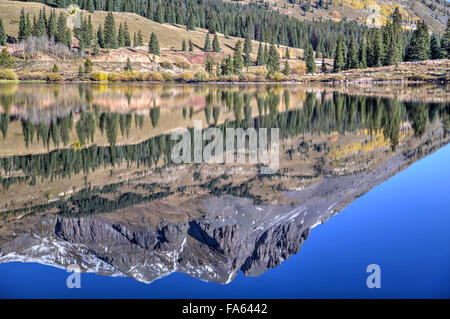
[[124, 209]]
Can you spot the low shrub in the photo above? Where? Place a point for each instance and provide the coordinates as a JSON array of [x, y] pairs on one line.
[[167, 76], [182, 65], [155, 76], [114, 77], [298, 68], [99, 76], [277, 77], [53, 77], [32, 76], [8, 74], [166, 65], [187, 77]]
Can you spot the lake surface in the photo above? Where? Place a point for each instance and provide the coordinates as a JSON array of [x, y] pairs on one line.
[[88, 179]]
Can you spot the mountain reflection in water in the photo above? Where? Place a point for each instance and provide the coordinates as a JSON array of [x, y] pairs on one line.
[[87, 177]]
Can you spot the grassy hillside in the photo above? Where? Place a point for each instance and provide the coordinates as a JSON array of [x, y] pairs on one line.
[[169, 36]]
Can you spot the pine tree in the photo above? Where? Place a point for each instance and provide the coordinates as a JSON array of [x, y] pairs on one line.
[[209, 64], [121, 37], [128, 66], [88, 65], [52, 27], [324, 66], [339, 55], [134, 39], [153, 45], [191, 46], [419, 45], [362, 54], [100, 37], [216, 45], [238, 61], [396, 48], [273, 63], [287, 68], [21, 35], [109, 32], [287, 54], [248, 44], [445, 42], [266, 54], [207, 46], [260, 58], [352, 55], [435, 48], [126, 32], [190, 25], [183, 46], [2, 34], [377, 49], [140, 39], [159, 14], [62, 27], [90, 6], [310, 60]]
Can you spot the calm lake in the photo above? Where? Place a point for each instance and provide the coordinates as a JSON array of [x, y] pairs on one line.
[[89, 180]]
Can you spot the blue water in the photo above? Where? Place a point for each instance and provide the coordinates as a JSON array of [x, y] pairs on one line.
[[402, 225]]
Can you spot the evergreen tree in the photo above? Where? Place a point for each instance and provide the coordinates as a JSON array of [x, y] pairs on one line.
[[52, 26], [191, 46], [183, 46], [128, 66], [216, 45], [109, 32], [248, 48], [362, 54], [190, 25], [140, 39], [126, 33], [207, 46], [435, 48], [121, 36], [266, 54], [273, 63], [287, 54], [2, 34], [260, 58], [100, 37], [55, 68], [377, 49], [339, 55], [445, 42], [396, 48], [352, 55], [88, 66], [419, 45], [324, 66], [90, 6], [209, 64], [153, 45], [287, 68], [159, 13], [238, 61], [310, 61], [134, 39]]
